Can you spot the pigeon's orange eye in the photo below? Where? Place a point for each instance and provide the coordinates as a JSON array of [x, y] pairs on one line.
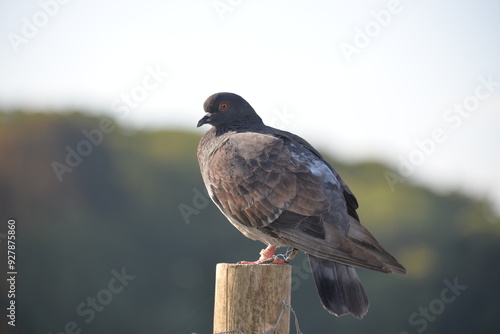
[[223, 106]]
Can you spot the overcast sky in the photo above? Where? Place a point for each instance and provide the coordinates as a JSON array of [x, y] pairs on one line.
[[412, 80]]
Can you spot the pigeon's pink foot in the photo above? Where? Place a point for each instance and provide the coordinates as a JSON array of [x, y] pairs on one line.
[[266, 257]]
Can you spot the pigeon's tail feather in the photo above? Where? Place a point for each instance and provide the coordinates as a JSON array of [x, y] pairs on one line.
[[339, 288]]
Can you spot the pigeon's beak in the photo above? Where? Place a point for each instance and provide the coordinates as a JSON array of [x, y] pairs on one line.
[[204, 120]]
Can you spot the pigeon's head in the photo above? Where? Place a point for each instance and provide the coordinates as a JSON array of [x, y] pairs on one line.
[[228, 111]]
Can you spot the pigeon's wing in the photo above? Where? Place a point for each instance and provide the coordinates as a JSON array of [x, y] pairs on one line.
[[255, 177], [351, 201]]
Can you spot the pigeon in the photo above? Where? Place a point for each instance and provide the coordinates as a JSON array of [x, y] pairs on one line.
[[273, 186]]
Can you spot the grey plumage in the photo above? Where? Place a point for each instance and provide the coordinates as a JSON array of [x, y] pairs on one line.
[[273, 186]]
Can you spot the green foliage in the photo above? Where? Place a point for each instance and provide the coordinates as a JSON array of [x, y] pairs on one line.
[[137, 201]]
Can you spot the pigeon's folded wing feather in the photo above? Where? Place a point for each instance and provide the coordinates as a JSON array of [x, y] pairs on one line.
[[254, 178], [351, 201]]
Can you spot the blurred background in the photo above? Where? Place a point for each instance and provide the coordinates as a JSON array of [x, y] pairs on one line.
[[115, 233]]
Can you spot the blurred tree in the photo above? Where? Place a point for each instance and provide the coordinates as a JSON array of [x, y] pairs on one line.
[[120, 208]]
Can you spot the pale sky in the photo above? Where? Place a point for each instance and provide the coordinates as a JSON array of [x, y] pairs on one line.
[[410, 80]]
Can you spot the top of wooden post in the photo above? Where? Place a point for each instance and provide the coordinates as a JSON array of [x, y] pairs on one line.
[[249, 298]]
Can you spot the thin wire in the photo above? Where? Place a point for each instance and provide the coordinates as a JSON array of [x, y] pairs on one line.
[[285, 305], [297, 328], [284, 257]]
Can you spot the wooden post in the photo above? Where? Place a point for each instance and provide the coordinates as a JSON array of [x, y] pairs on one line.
[[248, 298]]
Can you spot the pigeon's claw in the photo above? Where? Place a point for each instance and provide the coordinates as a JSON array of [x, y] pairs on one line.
[[272, 260], [266, 257], [278, 260]]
